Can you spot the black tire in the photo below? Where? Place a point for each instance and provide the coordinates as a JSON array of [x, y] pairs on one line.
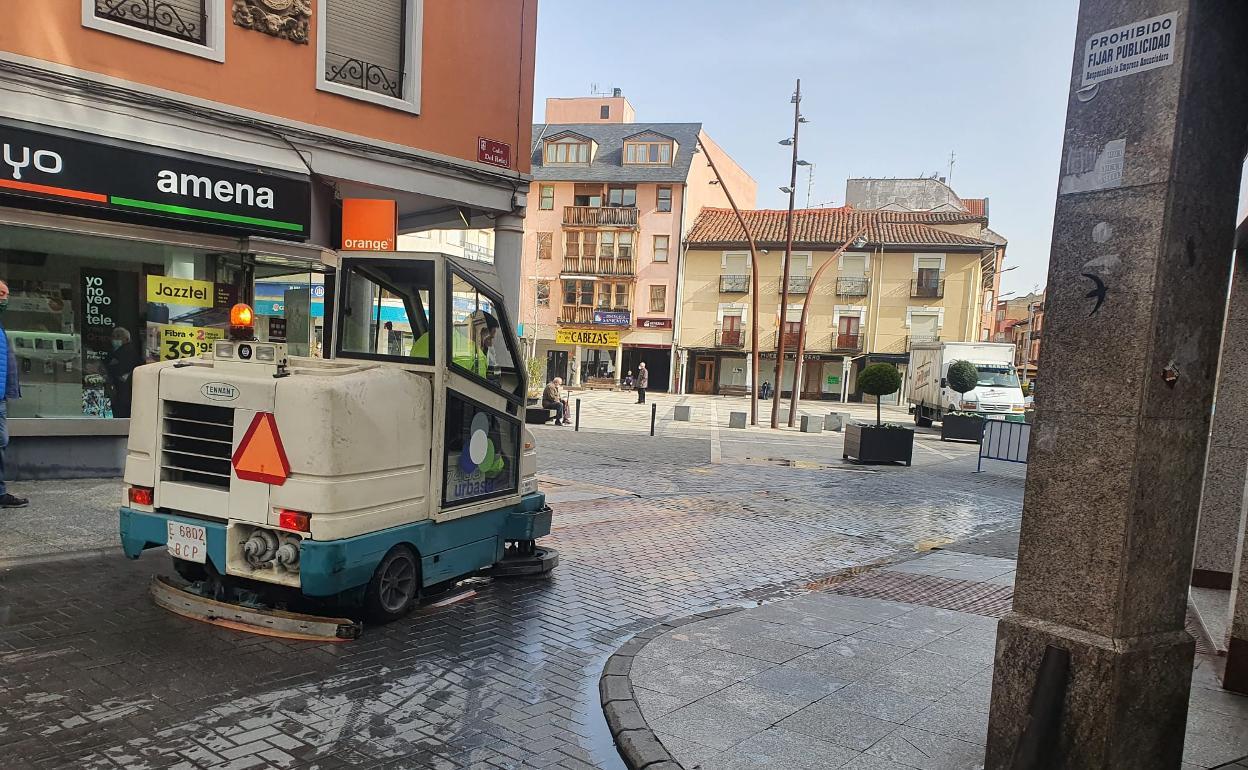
[[190, 571], [395, 586]]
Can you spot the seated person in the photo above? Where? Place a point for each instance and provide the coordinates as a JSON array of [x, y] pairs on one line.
[[552, 398]]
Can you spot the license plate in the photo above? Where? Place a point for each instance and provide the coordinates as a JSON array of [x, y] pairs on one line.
[[188, 542]]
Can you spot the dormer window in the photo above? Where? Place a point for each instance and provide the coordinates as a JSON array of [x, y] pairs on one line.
[[567, 151], [648, 153]]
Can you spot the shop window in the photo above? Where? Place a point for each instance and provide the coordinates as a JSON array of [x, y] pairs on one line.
[[660, 247], [664, 199], [195, 27], [84, 311], [547, 202], [370, 50], [385, 311], [479, 343], [658, 299], [543, 294], [482, 452]]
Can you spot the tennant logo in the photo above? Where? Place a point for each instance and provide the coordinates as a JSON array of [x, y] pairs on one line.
[[219, 391]]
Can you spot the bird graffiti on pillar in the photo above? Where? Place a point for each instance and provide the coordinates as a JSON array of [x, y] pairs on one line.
[[1098, 293]]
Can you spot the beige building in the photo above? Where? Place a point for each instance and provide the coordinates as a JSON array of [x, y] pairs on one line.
[[609, 206], [920, 277]]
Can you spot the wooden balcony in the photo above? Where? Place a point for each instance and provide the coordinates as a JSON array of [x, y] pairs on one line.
[[847, 342], [730, 338], [599, 216], [790, 340], [596, 316], [621, 267]]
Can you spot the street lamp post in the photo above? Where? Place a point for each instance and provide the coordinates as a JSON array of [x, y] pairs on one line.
[[788, 253], [857, 240], [749, 237]]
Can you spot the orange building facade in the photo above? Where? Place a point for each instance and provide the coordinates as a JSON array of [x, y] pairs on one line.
[[162, 161]]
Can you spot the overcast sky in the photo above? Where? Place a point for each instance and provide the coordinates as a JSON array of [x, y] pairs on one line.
[[890, 89]]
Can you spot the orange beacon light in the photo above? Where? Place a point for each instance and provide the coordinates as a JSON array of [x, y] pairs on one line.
[[242, 322]]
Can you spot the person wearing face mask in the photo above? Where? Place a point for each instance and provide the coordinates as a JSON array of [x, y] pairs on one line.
[[11, 390], [120, 366]]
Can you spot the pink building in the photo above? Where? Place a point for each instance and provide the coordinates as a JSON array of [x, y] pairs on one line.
[[609, 205]]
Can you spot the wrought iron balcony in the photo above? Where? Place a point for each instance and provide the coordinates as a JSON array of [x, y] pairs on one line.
[[853, 287], [734, 284], [612, 266], [790, 340], [600, 216], [182, 19], [914, 339], [799, 284], [847, 342], [730, 338], [350, 71], [927, 289]]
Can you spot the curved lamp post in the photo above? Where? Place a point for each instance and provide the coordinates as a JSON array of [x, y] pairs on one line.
[[858, 240]]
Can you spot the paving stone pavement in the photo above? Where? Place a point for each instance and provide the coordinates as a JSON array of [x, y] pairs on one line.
[[93, 675], [831, 679]]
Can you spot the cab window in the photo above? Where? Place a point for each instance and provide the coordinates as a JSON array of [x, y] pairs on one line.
[[479, 344], [385, 311]]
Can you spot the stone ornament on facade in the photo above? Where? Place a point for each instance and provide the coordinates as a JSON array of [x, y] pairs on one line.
[[280, 18]]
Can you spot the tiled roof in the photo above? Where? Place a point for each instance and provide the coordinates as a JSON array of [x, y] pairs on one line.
[[608, 162], [976, 206], [828, 227]]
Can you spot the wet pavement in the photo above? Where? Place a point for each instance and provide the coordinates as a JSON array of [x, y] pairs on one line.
[[93, 675]]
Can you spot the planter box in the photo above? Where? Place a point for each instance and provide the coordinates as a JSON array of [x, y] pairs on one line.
[[869, 444], [958, 428]]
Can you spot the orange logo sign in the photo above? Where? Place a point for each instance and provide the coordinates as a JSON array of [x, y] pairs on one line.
[[260, 455], [369, 225]]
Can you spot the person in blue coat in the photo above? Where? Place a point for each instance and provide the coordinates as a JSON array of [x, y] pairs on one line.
[[12, 390]]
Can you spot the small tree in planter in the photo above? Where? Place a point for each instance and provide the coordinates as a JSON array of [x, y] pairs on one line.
[[880, 442], [962, 378]]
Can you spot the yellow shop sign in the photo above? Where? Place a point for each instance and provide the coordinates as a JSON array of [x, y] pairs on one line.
[[179, 341], [589, 337], [179, 291]]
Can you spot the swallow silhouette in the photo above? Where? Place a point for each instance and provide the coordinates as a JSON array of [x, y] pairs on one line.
[[1098, 293]]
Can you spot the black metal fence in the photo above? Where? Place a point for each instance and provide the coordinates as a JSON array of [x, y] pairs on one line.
[[362, 74], [181, 19]]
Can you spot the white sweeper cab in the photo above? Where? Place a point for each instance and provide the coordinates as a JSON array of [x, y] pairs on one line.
[[390, 466]]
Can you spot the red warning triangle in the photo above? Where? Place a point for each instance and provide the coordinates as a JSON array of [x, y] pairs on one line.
[[260, 455]]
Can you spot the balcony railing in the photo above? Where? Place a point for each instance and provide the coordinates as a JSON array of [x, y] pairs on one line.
[[853, 287], [927, 289], [613, 266], [850, 342], [790, 340], [734, 284], [183, 19], [350, 71], [915, 339], [730, 338], [595, 316], [600, 216], [799, 284]]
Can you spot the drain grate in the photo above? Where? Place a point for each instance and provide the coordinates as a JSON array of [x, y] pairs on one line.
[[987, 599]]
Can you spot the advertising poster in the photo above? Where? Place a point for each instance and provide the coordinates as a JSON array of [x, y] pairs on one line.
[[179, 341], [107, 301]]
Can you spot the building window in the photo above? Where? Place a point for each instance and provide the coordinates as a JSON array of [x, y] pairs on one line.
[[578, 293], [658, 299], [572, 244], [589, 243], [622, 195], [648, 153], [660, 247], [606, 244], [604, 112], [370, 50], [544, 242], [587, 195], [547, 202], [196, 27], [612, 296], [567, 151], [665, 199], [624, 245], [455, 237], [543, 293]]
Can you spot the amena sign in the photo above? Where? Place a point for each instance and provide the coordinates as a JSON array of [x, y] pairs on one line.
[[121, 180]]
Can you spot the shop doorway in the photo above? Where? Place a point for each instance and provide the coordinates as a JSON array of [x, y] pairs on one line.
[[556, 365], [658, 361], [704, 376], [812, 379]]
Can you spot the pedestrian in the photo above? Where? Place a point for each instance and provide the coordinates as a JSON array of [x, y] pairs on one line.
[[119, 366], [643, 382], [552, 398], [764, 390], [628, 380], [12, 390]]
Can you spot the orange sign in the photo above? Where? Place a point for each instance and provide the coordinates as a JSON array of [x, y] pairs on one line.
[[260, 455], [369, 225]]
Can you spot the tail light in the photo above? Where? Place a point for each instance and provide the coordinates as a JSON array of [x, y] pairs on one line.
[[295, 520], [141, 496]]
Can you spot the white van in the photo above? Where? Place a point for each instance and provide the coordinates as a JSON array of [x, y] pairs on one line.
[[997, 395]]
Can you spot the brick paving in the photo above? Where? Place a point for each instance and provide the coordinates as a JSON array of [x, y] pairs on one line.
[[93, 675]]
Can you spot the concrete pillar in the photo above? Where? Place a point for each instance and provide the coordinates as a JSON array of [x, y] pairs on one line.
[[1140, 261], [575, 366], [619, 363], [1221, 502], [509, 258]]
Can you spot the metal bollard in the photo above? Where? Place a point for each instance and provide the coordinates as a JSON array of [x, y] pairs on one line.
[[577, 427], [654, 409]]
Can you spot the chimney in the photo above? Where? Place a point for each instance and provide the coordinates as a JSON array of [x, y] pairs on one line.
[[616, 92]]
